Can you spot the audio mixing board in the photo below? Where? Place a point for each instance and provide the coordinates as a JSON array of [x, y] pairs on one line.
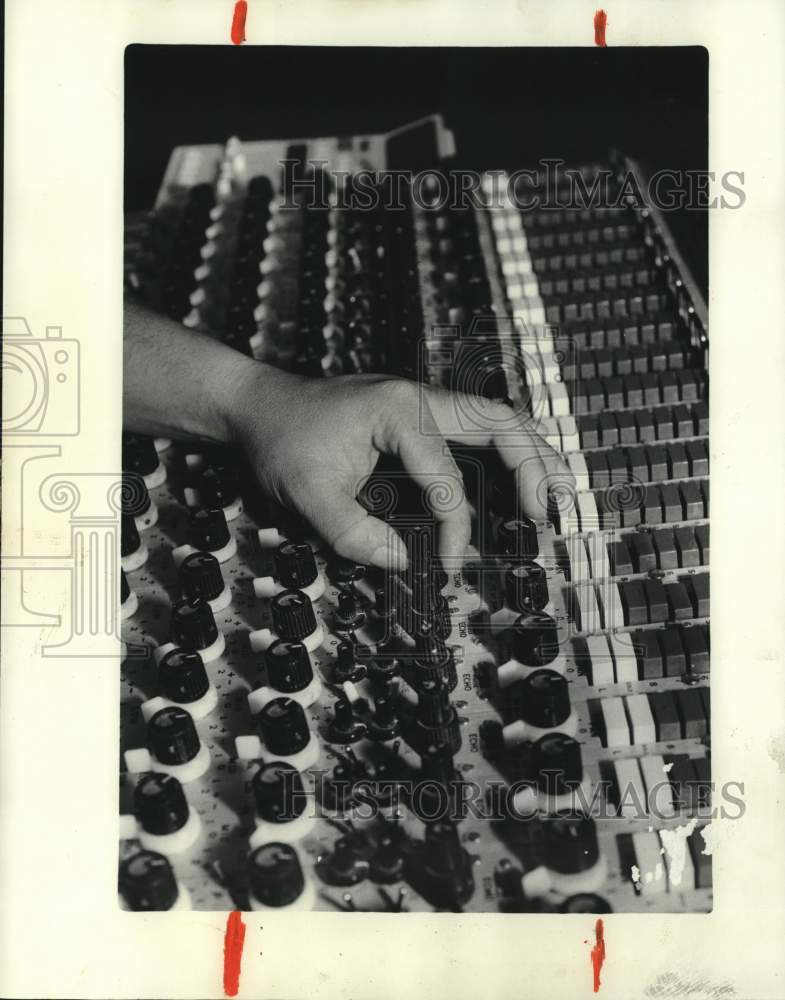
[[529, 732]]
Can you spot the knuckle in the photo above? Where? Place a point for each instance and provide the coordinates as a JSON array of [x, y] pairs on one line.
[[399, 394]]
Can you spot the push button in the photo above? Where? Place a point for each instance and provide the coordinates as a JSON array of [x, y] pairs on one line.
[[588, 429], [702, 538], [621, 561], [649, 654], [698, 458], [697, 650], [645, 422], [599, 474], [689, 554], [633, 389], [643, 552], [638, 464], [633, 603], [651, 389], [617, 730], [700, 413], [665, 547], [663, 423], [657, 600], [678, 601], [683, 422], [692, 501], [609, 432], [683, 782], [617, 464], [693, 721], [703, 779], [671, 503], [658, 462], [673, 651], [678, 464], [700, 594], [626, 424], [669, 386], [652, 506], [701, 862], [666, 719]]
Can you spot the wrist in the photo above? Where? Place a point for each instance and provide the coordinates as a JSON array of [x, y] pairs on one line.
[[252, 388]]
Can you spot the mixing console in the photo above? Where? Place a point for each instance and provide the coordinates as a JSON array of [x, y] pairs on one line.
[[527, 733]]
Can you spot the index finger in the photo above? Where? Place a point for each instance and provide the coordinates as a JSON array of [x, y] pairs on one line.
[[538, 467], [416, 439]]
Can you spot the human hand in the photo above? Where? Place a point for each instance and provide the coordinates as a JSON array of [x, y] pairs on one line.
[[313, 443]]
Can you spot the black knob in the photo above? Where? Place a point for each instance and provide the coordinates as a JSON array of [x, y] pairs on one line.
[[526, 587], [542, 699], [344, 728], [518, 538], [293, 615], [260, 192], [345, 865], [125, 590], [130, 541], [160, 804], [147, 882], [384, 725], [279, 793], [183, 676], [381, 671], [275, 875], [433, 706], [337, 789], [570, 843], [586, 902], [284, 727], [209, 530], [172, 736], [535, 639], [288, 666], [134, 498], [344, 572], [201, 576], [448, 880], [557, 763], [139, 455], [346, 667], [193, 624], [217, 486], [439, 792], [437, 720], [295, 565], [348, 615], [433, 661], [387, 863]]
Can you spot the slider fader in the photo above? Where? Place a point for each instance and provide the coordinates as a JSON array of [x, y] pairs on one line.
[[528, 734]]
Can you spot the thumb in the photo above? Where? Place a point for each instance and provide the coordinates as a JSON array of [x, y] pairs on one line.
[[353, 534]]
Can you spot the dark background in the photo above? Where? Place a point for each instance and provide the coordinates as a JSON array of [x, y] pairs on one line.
[[508, 107]]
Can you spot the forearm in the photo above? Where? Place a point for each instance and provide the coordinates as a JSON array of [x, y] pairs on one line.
[[179, 383]]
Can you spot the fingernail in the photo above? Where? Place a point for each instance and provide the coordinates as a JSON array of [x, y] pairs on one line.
[[391, 557]]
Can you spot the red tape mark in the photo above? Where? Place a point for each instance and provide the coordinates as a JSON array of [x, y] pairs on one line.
[[600, 23], [233, 952], [238, 22], [598, 953]]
